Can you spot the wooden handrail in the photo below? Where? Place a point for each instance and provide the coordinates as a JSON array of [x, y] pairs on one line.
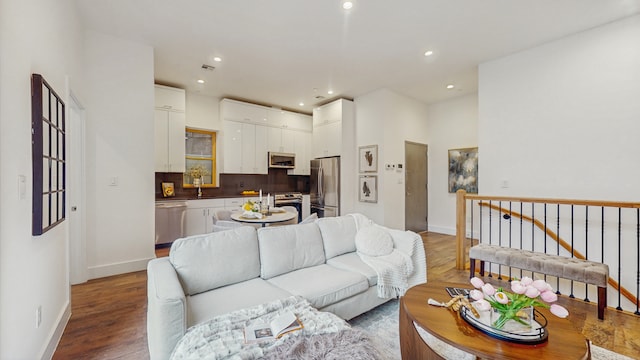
[[617, 204], [565, 245]]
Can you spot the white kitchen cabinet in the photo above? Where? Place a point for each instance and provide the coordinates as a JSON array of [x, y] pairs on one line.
[[169, 129], [243, 112], [332, 125], [275, 130], [199, 215], [302, 148], [295, 121], [169, 141], [245, 148], [170, 98], [281, 140]]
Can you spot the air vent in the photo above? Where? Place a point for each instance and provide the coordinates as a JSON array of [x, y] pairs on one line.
[[208, 67], [319, 97]]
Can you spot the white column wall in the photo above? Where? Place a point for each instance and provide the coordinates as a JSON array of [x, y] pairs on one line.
[[42, 37], [119, 144], [388, 119], [561, 119], [452, 124]]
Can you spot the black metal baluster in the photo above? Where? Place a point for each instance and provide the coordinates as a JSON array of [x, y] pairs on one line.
[[571, 295], [471, 233], [586, 247], [480, 235], [619, 256], [510, 235], [490, 234], [521, 215]]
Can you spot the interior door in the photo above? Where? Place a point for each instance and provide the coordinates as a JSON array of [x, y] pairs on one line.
[[78, 271], [416, 196]]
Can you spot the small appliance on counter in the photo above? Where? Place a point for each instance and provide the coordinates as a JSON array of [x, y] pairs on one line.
[[325, 186]]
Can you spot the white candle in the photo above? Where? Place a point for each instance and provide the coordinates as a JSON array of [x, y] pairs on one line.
[[268, 199], [260, 195]]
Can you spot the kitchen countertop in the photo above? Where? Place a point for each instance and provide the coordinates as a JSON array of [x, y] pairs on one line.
[[183, 198]]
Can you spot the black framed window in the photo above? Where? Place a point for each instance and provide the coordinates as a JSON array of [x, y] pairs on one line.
[[48, 139]]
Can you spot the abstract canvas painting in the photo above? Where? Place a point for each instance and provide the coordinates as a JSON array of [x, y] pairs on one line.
[[463, 170]]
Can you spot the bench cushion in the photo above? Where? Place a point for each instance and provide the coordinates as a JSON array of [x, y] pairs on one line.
[[586, 271]]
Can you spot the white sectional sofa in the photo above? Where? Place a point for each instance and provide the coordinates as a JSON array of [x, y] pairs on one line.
[[213, 274]]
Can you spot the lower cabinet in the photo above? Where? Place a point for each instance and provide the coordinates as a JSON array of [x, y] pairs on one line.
[[199, 215]]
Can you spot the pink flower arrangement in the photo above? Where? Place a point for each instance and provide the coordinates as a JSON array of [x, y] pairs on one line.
[[525, 292]]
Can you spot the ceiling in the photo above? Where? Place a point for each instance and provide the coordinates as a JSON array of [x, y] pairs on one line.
[[284, 52]]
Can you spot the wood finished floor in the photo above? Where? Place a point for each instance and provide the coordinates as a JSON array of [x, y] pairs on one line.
[[109, 315]]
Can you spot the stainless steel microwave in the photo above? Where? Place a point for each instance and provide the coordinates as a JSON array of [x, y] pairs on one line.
[[282, 160]]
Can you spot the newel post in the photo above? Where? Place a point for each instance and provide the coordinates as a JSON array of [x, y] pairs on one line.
[[461, 228]]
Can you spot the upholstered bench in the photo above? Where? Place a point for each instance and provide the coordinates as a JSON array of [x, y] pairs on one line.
[[585, 271]]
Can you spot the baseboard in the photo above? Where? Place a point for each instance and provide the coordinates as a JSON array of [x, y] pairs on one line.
[[442, 230], [450, 231], [54, 339], [101, 271]]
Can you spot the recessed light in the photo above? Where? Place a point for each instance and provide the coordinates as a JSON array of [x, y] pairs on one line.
[[217, 59], [200, 81], [428, 53], [450, 86], [347, 5], [330, 92], [301, 104]]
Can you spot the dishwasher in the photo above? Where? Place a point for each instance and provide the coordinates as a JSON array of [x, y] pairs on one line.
[[170, 221]]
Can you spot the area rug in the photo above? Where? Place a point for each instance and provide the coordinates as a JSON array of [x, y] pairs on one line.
[[382, 325]]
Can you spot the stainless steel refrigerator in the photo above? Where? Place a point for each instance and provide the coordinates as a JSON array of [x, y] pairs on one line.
[[325, 186]]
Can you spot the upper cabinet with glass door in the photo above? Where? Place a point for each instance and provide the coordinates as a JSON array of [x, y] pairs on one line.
[[200, 158]]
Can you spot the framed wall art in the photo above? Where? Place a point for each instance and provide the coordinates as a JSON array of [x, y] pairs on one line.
[[368, 158], [48, 151], [368, 189], [463, 170]]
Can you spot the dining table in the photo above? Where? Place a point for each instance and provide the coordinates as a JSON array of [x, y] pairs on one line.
[[274, 215]]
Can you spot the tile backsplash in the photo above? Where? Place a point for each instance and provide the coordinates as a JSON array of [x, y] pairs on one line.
[[277, 181]]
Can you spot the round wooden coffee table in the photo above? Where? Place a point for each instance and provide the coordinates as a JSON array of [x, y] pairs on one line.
[[564, 341]]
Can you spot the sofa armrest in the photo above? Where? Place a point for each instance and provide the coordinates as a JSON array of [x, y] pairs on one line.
[[166, 309]]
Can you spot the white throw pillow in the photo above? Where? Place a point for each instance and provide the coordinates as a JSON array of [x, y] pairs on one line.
[[374, 241], [309, 219]]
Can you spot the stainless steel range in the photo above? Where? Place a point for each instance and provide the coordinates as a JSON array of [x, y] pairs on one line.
[[290, 199]]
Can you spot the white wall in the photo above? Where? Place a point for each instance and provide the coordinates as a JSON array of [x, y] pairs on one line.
[[562, 119], [120, 120], [452, 124], [42, 37], [388, 119]]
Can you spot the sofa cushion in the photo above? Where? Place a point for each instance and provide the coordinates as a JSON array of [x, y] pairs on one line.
[[322, 285], [206, 262], [204, 306], [352, 262], [338, 235], [288, 248]]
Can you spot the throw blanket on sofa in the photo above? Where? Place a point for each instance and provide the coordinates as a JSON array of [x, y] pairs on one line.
[[223, 336], [391, 253]]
